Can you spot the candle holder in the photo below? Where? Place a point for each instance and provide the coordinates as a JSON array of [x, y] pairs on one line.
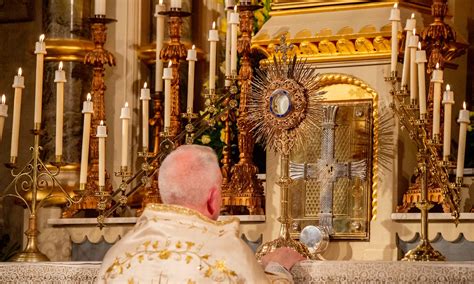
[[33, 185], [189, 128]]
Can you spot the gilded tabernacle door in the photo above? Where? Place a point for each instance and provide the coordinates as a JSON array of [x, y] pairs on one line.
[[335, 174]]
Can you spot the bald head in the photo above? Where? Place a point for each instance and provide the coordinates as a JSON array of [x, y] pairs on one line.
[[190, 176]]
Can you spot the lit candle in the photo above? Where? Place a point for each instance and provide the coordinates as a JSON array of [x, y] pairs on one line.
[[145, 98], [87, 110], [448, 102], [192, 58], [420, 59], [3, 115], [59, 79], [395, 19], [229, 8], [18, 85], [413, 44], [101, 134], [175, 4], [437, 80], [168, 76], [410, 25], [160, 35], [463, 121], [234, 21], [213, 39], [40, 51], [99, 7], [125, 117]]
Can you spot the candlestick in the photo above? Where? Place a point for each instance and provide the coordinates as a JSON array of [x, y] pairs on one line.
[[410, 25], [125, 117], [87, 110], [421, 60], [229, 8], [59, 79], [3, 115], [160, 35], [413, 44], [168, 76], [437, 80], [176, 4], [192, 58], [234, 21], [18, 85], [395, 19], [213, 39], [448, 102], [463, 123], [145, 98], [99, 7], [101, 134], [40, 51]]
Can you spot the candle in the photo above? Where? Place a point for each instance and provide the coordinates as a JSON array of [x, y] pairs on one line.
[[410, 25], [3, 115], [175, 4], [192, 58], [87, 110], [437, 80], [18, 85], [413, 44], [101, 134], [168, 76], [395, 19], [463, 123], [160, 35], [213, 39], [448, 102], [145, 98], [125, 117], [229, 8], [234, 21], [59, 79], [420, 59], [99, 7], [40, 51]]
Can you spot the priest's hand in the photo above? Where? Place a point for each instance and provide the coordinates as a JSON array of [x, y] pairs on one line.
[[285, 256]]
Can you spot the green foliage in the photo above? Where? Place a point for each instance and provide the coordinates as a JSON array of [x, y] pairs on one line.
[[261, 15]]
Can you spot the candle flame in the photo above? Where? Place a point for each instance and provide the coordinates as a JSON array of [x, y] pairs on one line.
[[437, 65], [101, 123], [414, 31], [463, 104], [395, 6], [170, 64], [144, 85], [60, 66], [126, 104], [161, 2], [448, 87], [194, 47], [412, 15], [235, 9], [41, 38], [214, 25], [89, 97], [419, 45], [4, 99], [20, 71]]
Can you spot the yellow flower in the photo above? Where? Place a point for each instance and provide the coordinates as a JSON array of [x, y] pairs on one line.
[[222, 135], [205, 139]]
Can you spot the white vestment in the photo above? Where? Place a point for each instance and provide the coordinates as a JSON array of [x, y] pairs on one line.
[[173, 244]]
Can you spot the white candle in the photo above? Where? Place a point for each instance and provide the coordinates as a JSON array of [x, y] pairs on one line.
[[40, 51], [395, 19], [227, 43], [125, 117], [99, 7], [421, 60], [160, 35], [192, 58], [463, 123], [437, 80], [234, 21], [413, 43], [175, 4], [448, 102], [213, 39], [3, 115], [87, 110], [410, 25], [18, 85], [101, 134], [168, 76], [145, 98], [59, 79]]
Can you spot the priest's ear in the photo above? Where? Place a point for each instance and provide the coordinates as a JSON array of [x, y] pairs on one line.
[[214, 202]]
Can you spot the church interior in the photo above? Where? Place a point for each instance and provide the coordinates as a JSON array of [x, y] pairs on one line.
[[343, 129]]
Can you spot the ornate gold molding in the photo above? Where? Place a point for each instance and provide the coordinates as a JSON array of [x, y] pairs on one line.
[[147, 52], [60, 49]]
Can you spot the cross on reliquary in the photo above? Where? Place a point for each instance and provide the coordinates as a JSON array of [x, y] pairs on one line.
[[284, 48]]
